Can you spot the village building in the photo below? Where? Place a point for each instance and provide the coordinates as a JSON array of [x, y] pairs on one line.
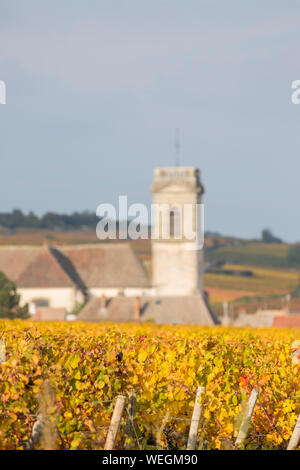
[[110, 280], [65, 276], [267, 318]]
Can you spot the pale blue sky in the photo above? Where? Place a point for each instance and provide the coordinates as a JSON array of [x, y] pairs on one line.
[[96, 88]]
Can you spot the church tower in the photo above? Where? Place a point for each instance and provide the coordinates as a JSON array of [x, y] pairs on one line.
[[177, 260]]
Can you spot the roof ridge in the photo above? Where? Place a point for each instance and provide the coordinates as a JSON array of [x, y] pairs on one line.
[[37, 262], [68, 268], [47, 248], [21, 246], [143, 267], [25, 267], [96, 245]]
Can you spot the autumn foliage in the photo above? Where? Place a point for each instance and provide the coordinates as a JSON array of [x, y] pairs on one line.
[[88, 365]]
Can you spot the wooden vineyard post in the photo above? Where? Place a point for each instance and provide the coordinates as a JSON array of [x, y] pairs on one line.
[[246, 420], [294, 441], [129, 422], [192, 440], [115, 423], [36, 433]]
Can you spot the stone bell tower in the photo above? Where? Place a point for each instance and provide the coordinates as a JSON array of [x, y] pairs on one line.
[[177, 263]]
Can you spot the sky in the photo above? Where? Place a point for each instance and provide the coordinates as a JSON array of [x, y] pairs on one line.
[[97, 88]]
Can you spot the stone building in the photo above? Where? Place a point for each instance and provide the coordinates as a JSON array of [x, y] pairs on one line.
[[268, 318], [110, 280], [65, 276], [177, 265], [177, 262], [188, 309]]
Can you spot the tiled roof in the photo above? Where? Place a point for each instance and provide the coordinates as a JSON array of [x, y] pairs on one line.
[[32, 267], [107, 265], [161, 309], [83, 266], [287, 321], [177, 309], [116, 309], [14, 259]]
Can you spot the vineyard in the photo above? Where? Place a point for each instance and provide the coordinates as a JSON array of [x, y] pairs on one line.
[[264, 281], [73, 373]]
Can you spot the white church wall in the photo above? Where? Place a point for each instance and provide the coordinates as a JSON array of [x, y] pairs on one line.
[[175, 269], [114, 292], [57, 297]]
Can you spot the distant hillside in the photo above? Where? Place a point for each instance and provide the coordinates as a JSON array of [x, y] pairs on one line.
[[218, 249], [236, 270], [249, 253]]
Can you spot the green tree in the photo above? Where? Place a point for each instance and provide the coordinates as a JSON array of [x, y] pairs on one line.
[[268, 237], [9, 300]]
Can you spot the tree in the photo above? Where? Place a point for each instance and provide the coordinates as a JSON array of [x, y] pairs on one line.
[[49, 221], [268, 237], [9, 300]]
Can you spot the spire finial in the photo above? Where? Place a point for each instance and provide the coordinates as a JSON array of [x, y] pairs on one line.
[[177, 147]]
